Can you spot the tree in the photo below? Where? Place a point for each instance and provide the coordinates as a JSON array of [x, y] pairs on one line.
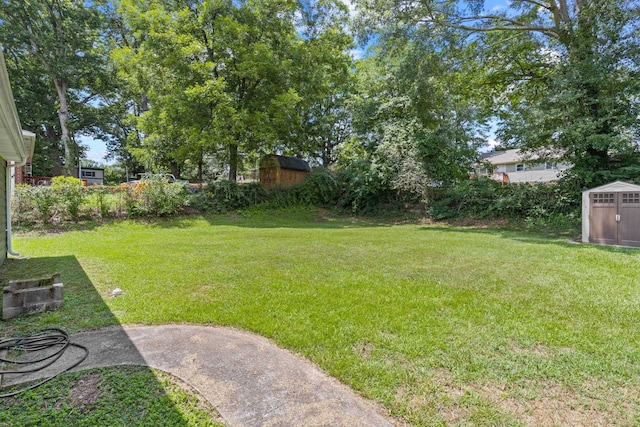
[[562, 74], [324, 80], [217, 75], [412, 112], [36, 104], [62, 37]]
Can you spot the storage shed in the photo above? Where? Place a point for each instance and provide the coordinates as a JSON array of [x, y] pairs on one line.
[[611, 214], [281, 171]]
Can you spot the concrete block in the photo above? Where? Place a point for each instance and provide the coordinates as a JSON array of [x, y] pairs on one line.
[[32, 296]]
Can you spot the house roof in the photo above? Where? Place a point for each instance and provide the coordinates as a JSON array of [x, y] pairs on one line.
[[502, 157], [615, 186], [516, 156], [14, 144], [293, 163]]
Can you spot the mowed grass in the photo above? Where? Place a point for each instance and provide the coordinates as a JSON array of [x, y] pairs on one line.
[[120, 396], [441, 325]]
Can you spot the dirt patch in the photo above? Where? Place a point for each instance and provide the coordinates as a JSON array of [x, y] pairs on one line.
[[555, 405], [365, 350], [476, 223], [542, 403], [535, 350], [85, 391], [323, 215]]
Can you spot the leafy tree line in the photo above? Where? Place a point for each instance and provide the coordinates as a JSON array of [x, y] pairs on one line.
[[176, 85], [205, 87], [560, 77]]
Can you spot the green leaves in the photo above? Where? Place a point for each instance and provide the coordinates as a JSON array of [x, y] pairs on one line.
[[556, 76], [222, 76]]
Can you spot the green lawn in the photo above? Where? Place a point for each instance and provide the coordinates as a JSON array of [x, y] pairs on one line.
[[119, 396], [441, 325]]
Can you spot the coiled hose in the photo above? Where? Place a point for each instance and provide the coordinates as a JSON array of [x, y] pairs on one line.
[[43, 341]]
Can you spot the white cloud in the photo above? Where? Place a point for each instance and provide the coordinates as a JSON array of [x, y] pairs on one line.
[[358, 53], [351, 6], [97, 149]]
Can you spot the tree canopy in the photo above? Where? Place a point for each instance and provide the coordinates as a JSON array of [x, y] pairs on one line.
[[179, 84], [559, 76]]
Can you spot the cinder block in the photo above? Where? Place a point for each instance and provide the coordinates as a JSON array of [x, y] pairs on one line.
[[32, 296]]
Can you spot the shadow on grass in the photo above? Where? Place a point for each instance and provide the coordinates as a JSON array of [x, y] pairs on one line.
[[535, 237], [84, 309], [302, 219]]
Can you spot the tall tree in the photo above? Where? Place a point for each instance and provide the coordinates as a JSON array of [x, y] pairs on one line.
[[36, 103], [412, 120], [563, 74], [62, 36], [217, 74], [324, 80]]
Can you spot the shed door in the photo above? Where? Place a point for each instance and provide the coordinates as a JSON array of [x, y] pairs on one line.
[[629, 225], [602, 221], [615, 218]]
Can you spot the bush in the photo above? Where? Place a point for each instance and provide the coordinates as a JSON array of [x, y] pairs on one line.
[[319, 189], [126, 200], [100, 197], [44, 201], [483, 198], [363, 189], [154, 196], [23, 205], [223, 196], [68, 193]]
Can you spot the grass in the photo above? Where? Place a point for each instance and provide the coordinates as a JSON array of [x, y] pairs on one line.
[[131, 396], [441, 325]]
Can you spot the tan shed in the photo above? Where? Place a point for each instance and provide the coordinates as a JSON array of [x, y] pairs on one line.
[[611, 214], [281, 171]]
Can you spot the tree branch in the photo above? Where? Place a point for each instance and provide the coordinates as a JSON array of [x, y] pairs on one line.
[[520, 27], [88, 98]]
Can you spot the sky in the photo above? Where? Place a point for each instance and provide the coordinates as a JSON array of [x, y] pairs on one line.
[[97, 149]]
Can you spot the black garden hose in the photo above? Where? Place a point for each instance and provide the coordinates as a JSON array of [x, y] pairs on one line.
[[38, 342]]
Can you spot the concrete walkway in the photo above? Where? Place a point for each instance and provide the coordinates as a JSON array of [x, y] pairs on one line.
[[249, 380]]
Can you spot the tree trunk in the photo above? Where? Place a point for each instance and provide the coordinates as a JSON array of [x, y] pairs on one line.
[[233, 162], [144, 102], [63, 116], [200, 167], [53, 142]]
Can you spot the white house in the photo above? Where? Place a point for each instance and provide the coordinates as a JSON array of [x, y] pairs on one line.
[[16, 146], [516, 167], [93, 176]]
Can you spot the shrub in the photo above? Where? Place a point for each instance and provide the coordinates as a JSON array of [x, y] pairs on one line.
[[126, 200], [319, 189], [224, 195], [44, 201], [68, 193], [363, 188], [483, 198], [100, 196], [154, 196], [22, 205]]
